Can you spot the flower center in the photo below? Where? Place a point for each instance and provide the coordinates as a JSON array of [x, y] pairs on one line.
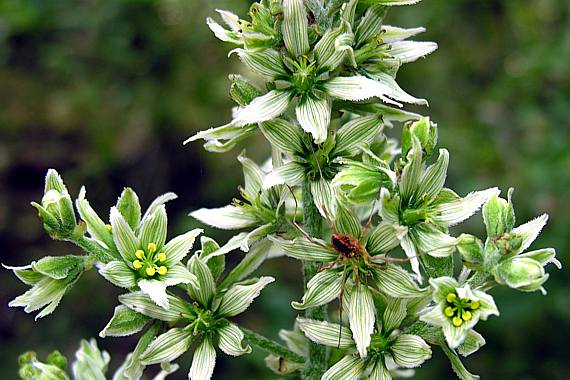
[[149, 262], [459, 310]]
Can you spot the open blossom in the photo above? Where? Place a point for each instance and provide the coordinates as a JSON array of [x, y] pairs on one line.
[[457, 309]]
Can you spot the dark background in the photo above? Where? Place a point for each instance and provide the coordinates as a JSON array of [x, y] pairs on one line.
[[106, 91]]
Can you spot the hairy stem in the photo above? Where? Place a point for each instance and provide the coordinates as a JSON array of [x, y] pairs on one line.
[[316, 365], [93, 248], [271, 346]]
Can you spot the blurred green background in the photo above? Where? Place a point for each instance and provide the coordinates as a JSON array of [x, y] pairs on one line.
[[106, 91]]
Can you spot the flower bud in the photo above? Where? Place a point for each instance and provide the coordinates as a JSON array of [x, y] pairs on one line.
[[56, 208], [425, 131], [520, 273], [471, 250], [499, 215]]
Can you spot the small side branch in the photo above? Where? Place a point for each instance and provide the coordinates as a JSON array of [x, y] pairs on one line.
[[271, 346]]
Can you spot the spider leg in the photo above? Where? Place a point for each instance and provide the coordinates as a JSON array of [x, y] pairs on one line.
[[331, 265]]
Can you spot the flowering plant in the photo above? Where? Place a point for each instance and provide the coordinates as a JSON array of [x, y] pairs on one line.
[[368, 218]]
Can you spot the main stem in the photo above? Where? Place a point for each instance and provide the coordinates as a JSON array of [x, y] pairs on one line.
[[316, 364]]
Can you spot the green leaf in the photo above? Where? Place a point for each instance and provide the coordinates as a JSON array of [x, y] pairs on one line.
[[129, 206], [124, 322]]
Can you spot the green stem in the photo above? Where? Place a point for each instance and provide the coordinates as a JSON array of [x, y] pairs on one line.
[[316, 364], [271, 346], [93, 248]]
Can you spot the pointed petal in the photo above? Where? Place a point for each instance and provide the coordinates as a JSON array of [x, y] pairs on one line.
[[123, 235], [294, 27], [263, 108], [314, 115], [203, 361], [529, 231], [410, 351], [177, 248], [361, 314], [265, 62], [156, 290], [326, 333], [410, 249], [348, 368], [355, 88], [324, 287], [433, 177], [226, 218], [238, 298], [303, 249], [451, 213], [292, 174], [286, 136], [154, 228], [231, 339], [324, 197], [397, 282], [178, 274], [410, 51], [167, 347], [380, 372], [357, 133], [141, 303], [119, 274], [204, 289]]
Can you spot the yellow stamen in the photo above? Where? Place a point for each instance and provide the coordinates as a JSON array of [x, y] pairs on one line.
[[475, 305], [108, 227], [466, 315], [162, 270], [139, 254], [457, 321], [137, 264], [451, 297], [151, 247], [161, 256], [449, 311], [150, 271]]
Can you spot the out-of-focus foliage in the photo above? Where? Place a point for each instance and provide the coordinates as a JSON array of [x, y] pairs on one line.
[[107, 92]]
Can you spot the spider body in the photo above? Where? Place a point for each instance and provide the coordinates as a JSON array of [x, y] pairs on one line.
[[347, 245]]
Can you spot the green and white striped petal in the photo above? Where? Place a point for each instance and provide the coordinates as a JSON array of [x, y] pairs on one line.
[[90, 363], [428, 239], [356, 88], [333, 47], [204, 289], [529, 231], [124, 237], [230, 19], [177, 248], [156, 290], [348, 368], [324, 197], [471, 344], [451, 213], [230, 339], [396, 2], [395, 91], [119, 274], [314, 115], [178, 274], [370, 24], [410, 351], [239, 296], [396, 282], [357, 133], [286, 136], [292, 174], [303, 249], [154, 228], [362, 316], [380, 372], [95, 226], [265, 62], [263, 108], [124, 322], [203, 362], [167, 347], [156, 203], [294, 27], [326, 333], [394, 314], [410, 51], [409, 247], [324, 287], [385, 237], [141, 303], [394, 33], [411, 173], [433, 177], [223, 34], [226, 218]]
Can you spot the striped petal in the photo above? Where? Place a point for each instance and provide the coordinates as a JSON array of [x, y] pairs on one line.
[[226, 218], [177, 248], [231, 339], [347, 368], [167, 347], [454, 212], [141, 303], [124, 237], [362, 315], [324, 287], [314, 115], [203, 361], [294, 27], [326, 333], [263, 108]]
